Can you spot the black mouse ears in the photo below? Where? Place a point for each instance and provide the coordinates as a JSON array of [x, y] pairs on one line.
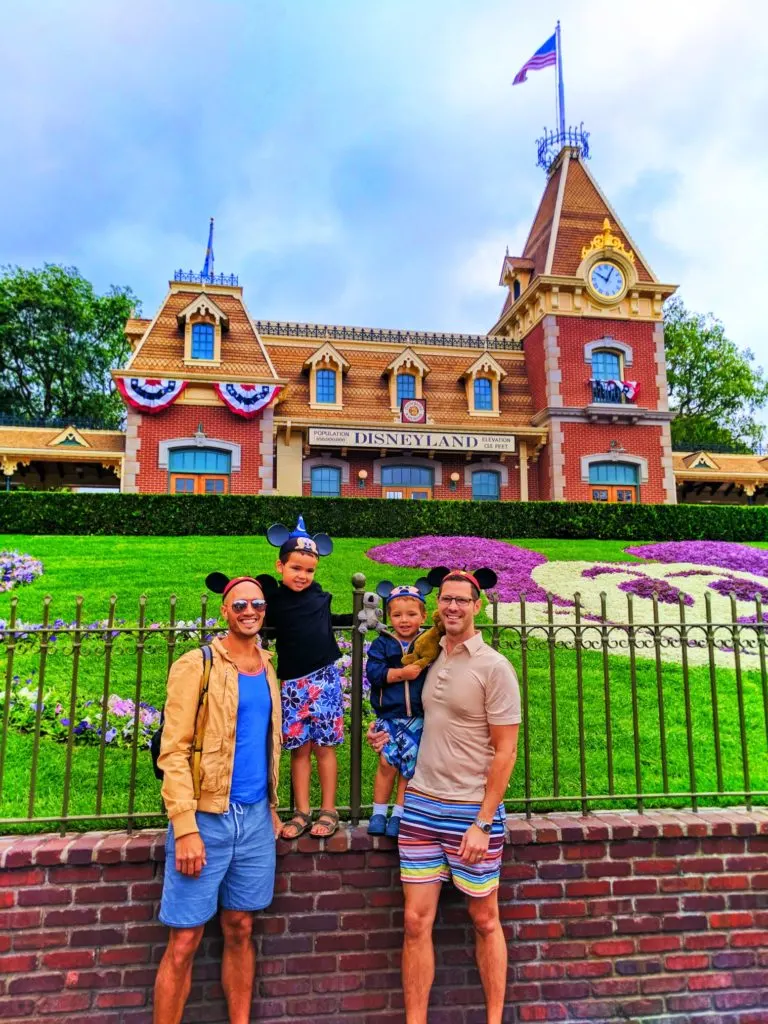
[[218, 583], [419, 589], [299, 539], [482, 579]]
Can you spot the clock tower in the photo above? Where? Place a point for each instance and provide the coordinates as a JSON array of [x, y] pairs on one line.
[[587, 308]]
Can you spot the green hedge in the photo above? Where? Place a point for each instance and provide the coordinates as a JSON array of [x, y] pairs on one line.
[[164, 515]]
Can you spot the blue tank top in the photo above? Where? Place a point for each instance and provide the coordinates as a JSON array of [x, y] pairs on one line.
[[250, 774]]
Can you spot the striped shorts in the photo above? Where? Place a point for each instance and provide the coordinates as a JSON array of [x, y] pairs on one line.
[[430, 835]]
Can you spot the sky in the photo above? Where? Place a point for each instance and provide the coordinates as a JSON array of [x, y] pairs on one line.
[[368, 161]]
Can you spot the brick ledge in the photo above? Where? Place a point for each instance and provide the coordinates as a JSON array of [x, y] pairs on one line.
[[149, 845]]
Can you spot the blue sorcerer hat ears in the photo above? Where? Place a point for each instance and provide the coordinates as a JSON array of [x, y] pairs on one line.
[[418, 590], [298, 539]]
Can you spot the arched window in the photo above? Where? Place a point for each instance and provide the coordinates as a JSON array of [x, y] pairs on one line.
[[483, 394], [198, 460], [325, 481], [406, 386], [202, 341], [606, 365], [325, 383], [407, 476], [485, 485]]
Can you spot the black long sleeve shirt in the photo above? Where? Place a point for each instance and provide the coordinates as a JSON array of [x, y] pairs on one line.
[[302, 625]]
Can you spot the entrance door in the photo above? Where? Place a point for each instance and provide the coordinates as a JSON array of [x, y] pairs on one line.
[[416, 493], [199, 483], [621, 495]]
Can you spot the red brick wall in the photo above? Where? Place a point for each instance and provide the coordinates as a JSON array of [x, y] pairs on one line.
[[183, 421], [576, 332], [533, 347], [610, 917], [510, 492], [590, 438]]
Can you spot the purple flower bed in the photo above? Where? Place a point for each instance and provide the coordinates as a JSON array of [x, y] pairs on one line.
[[601, 570], [707, 552], [16, 568], [744, 590], [646, 587], [512, 564]]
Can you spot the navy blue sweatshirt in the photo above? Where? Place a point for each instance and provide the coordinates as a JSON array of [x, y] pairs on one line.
[[302, 625], [392, 700]]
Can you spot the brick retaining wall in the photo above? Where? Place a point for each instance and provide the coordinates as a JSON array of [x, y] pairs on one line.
[[626, 917]]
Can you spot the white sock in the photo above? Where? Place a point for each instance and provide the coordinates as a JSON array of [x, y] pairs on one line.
[[380, 809], [397, 811]]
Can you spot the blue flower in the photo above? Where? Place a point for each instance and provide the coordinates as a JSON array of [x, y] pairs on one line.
[[110, 735]]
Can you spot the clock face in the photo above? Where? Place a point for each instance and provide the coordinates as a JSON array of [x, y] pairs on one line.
[[606, 279]]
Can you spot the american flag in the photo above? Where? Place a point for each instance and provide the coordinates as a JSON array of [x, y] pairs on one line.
[[543, 58]]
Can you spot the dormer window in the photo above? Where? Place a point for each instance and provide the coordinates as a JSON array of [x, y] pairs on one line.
[[482, 381], [406, 375], [202, 321], [202, 341], [483, 394], [326, 368], [406, 386], [325, 387]]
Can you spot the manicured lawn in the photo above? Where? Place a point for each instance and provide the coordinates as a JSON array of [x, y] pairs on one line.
[[129, 567]]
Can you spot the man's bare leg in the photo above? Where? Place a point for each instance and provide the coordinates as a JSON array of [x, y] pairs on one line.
[[490, 952], [238, 964], [418, 951], [174, 975]]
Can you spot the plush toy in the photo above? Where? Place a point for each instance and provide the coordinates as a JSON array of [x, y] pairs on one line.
[[426, 647], [371, 616]]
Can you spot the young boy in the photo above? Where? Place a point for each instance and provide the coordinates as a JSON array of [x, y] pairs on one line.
[[396, 699], [313, 717]]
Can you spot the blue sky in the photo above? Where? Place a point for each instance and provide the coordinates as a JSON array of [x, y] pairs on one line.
[[368, 162]]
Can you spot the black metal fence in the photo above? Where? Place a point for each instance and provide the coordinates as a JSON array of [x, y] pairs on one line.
[[663, 712]]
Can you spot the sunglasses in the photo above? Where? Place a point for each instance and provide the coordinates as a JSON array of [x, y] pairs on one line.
[[258, 604]]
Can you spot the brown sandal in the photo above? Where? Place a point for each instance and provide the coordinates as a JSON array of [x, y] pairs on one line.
[[328, 821], [300, 823]]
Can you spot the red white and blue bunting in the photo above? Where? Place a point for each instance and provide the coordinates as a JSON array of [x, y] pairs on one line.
[[615, 390], [247, 400], [150, 394]]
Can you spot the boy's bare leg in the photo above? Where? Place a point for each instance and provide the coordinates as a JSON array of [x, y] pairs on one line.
[[174, 975], [400, 795], [301, 769], [383, 782], [327, 770]]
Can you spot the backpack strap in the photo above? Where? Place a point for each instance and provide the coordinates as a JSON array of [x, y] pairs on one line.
[[201, 718]]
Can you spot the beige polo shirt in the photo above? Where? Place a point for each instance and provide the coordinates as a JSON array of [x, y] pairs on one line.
[[465, 692]]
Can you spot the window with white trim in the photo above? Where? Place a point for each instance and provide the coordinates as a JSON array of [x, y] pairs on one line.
[[202, 341], [486, 485], [325, 482]]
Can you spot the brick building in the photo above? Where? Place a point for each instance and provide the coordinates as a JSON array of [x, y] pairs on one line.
[[565, 398]]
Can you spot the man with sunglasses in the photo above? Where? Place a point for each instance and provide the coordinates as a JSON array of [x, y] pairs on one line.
[[453, 823], [220, 849]]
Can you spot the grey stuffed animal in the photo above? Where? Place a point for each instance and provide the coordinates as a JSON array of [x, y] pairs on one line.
[[371, 616]]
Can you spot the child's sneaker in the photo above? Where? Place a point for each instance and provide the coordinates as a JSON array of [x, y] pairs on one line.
[[393, 827], [377, 826]]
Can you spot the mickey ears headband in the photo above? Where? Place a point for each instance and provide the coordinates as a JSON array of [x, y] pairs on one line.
[[418, 590], [218, 583], [299, 539], [481, 579]]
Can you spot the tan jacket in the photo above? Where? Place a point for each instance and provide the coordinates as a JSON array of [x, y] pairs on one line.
[[218, 755]]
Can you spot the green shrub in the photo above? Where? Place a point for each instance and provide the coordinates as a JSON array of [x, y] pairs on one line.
[[165, 515]]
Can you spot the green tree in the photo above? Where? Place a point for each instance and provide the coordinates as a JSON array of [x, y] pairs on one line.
[[58, 342], [714, 387]]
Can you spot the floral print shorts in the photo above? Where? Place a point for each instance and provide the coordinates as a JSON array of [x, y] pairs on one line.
[[312, 709]]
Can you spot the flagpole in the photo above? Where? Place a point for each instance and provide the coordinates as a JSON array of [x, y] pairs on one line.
[[560, 90]]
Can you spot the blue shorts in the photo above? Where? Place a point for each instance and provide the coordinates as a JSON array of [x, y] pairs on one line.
[[401, 748], [239, 873], [313, 711]]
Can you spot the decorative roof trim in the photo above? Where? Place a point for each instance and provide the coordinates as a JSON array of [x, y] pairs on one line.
[[288, 329], [203, 305], [326, 354], [487, 363], [408, 358], [62, 436]]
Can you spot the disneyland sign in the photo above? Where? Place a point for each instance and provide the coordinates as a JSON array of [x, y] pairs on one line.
[[409, 440]]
